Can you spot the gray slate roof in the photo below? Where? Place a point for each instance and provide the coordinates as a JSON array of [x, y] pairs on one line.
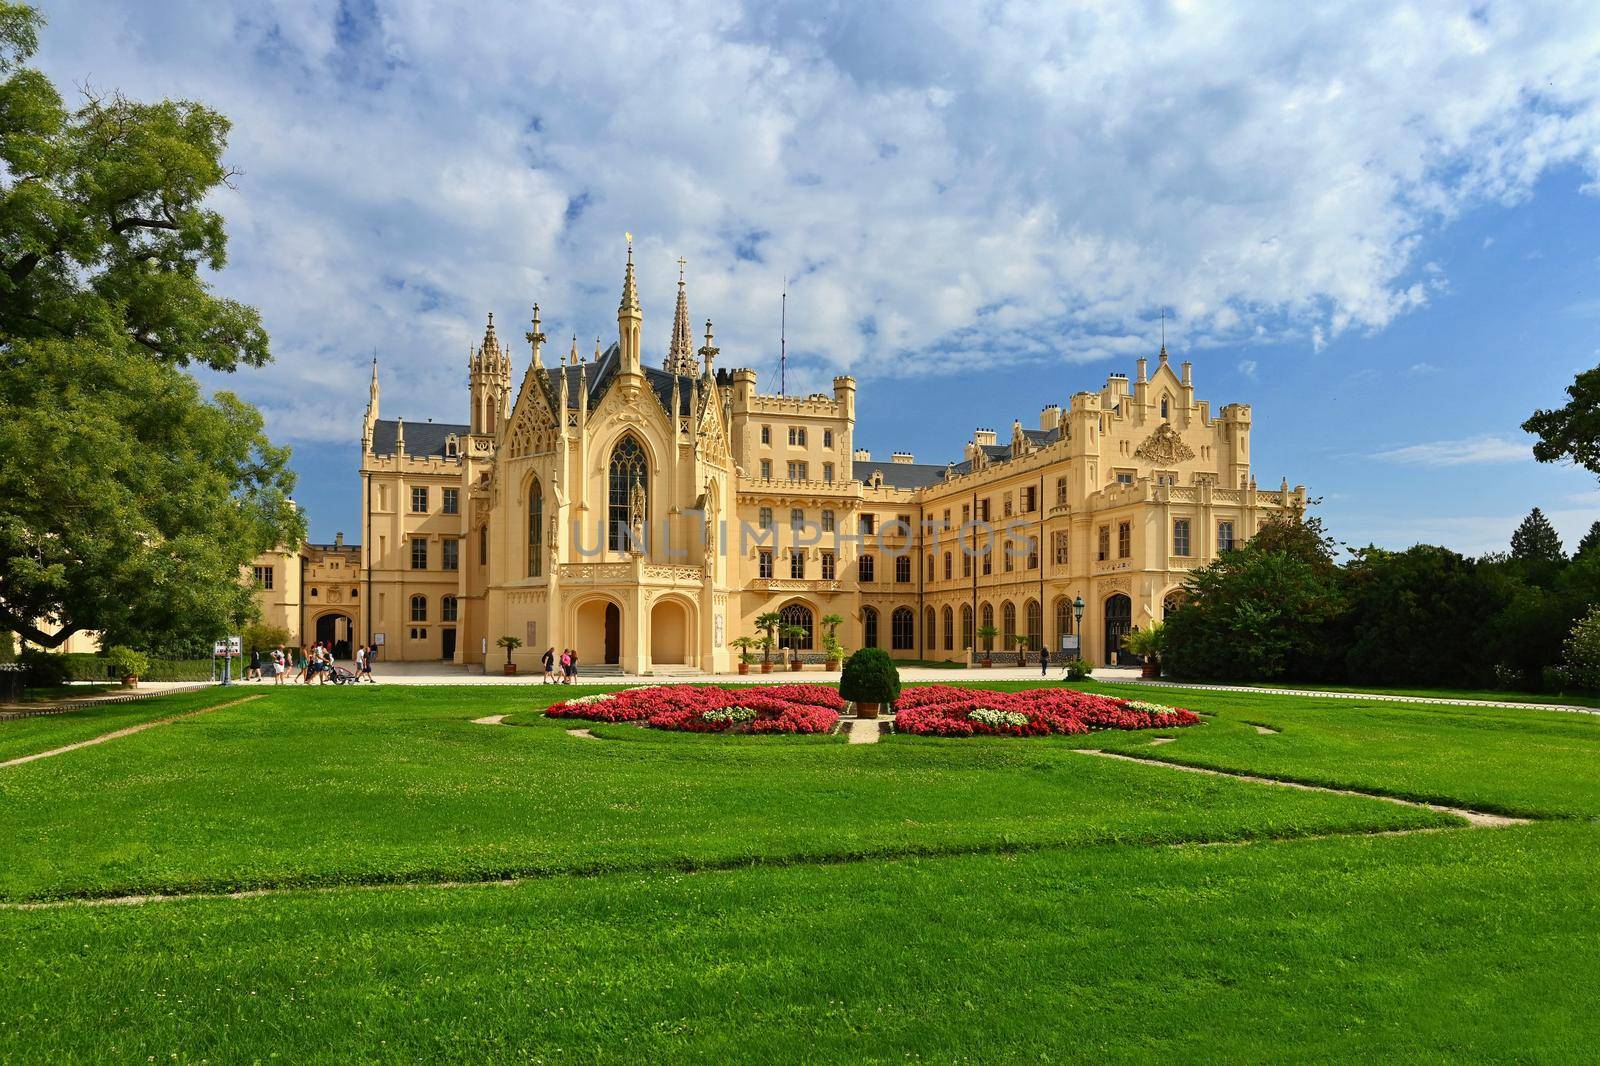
[[899, 475], [422, 438]]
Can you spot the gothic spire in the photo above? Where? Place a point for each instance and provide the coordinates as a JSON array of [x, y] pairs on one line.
[[630, 292], [680, 353]]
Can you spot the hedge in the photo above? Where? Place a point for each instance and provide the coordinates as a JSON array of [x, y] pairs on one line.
[[87, 666]]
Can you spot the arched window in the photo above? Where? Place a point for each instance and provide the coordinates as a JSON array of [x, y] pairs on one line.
[[1172, 602], [1008, 626], [869, 627], [947, 566], [1163, 407], [535, 529], [929, 629], [1063, 619], [929, 572], [628, 468], [966, 626], [447, 609], [986, 614], [419, 608], [796, 615], [949, 630], [1034, 614], [901, 629]]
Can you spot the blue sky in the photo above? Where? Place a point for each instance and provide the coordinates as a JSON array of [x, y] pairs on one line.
[[1375, 222]]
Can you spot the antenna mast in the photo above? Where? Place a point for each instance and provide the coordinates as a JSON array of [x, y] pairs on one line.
[[783, 340]]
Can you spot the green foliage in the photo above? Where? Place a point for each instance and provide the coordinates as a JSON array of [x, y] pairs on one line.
[[510, 644], [1150, 641], [127, 662], [986, 634], [259, 636], [1582, 653], [768, 622], [1590, 541], [1573, 431], [129, 502], [831, 647], [1078, 669], [744, 644], [1536, 540], [870, 677], [43, 669]]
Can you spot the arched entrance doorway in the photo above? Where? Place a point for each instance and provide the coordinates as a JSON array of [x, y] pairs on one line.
[[669, 634], [1119, 619], [599, 633], [337, 631]]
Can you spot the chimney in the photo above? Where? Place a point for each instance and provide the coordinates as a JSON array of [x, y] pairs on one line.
[[338, 539], [981, 436], [902, 457], [1050, 417], [863, 455]]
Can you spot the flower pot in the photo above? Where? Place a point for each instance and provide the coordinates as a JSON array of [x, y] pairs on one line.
[[766, 668], [130, 681], [795, 665], [986, 663], [744, 668], [831, 664], [1151, 668], [511, 669], [867, 710]]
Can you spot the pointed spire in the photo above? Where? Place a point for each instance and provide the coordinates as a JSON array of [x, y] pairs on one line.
[[572, 357], [680, 353], [630, 293], [597, 349], [491, 343]]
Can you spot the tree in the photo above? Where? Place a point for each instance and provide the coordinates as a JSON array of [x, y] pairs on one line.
[[259, 636], [1573, 431], [1590, 541], [1536, 540], [768, 622], [129, 502]]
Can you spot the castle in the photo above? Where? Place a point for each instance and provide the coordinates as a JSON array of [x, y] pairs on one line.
[[647, 515]]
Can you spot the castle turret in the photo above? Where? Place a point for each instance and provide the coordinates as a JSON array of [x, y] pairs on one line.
[[489, 374]]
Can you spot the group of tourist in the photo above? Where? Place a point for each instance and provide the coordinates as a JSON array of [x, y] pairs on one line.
[[307, 664], [566, 662]]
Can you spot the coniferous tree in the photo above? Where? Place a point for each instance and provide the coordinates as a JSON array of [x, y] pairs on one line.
[[1536, 540], [1590, 541]]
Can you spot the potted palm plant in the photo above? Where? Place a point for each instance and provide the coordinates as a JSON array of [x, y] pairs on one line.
[[768, 622], [832, 650], [987, 635], [744, 644], [1149, 643], [510, 644], [1022, 643], [795, 635]]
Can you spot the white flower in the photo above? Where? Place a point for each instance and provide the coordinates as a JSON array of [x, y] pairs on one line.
[[996, 719]]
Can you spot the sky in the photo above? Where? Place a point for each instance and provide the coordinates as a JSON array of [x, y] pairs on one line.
[[1376, 223]]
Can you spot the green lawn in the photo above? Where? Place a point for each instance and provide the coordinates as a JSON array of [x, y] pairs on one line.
[[1493, 695], [692, 898], [24, 736]]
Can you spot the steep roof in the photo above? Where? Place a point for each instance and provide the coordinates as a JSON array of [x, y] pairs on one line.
[[899, 475], [422, 438]]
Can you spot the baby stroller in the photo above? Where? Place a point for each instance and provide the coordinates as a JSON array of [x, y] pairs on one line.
[[339, 675]]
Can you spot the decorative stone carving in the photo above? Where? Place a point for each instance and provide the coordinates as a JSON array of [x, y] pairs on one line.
[[1165, 447]]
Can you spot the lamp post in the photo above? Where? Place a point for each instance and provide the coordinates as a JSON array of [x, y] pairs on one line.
[[1077, 624]]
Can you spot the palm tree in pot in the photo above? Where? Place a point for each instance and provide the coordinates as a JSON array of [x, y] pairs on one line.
[[744, 644], [987, 635], [831, 648], [510, 644], [1022, 643], [795, 634], [768, 622], [1150, 644]]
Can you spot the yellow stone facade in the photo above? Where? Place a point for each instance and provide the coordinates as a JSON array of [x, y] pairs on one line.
[[647, 516]]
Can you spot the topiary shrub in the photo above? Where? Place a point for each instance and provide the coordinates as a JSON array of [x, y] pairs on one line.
[[870, 677]]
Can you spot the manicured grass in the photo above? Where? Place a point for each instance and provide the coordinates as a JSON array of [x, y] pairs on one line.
[[1490, 694], [25, 736], [339, 786], [1470, 946], [775, 898]]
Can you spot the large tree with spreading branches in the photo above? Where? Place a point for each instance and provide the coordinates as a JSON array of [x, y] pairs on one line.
[[129, 500]]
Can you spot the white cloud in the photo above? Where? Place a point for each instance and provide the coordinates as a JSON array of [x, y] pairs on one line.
[[1418, 370], [1248, 367], [1483, 449], [939, 179]]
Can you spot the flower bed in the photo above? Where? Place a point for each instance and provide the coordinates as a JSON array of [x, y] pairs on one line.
[[707, 709], [946, 711]]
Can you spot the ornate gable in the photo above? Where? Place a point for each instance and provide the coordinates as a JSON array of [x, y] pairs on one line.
[[1164, 447]]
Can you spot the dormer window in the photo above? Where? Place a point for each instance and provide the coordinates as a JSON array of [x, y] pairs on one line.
[[452, 446]]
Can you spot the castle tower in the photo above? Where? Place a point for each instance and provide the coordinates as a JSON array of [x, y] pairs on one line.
[[680, 353], [489, 374]]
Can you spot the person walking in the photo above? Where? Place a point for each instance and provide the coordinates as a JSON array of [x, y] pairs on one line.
[[254, 673], [1044, 662], [549, 661], [300, 663], [361, 659], [280, 665], [572, 667], [566, 664], [369, 651]]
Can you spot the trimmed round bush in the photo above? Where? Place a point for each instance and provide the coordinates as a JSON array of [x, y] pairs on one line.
[[870, 677]]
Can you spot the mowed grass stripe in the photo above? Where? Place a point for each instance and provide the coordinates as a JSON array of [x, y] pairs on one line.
[[34, 736], [338, 787], [1446, 947]]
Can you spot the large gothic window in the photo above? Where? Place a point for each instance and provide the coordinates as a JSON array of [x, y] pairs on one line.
[[902, 626], [966, 623], [1008, 626], [796, 616], [949, 629], [535, 529], [1034, 615], [869, 627], [628, 468]]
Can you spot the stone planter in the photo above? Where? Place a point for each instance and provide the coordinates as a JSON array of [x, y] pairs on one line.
[[744, 668], [766, 668], [511, 669], [1151, 668], [867, 710], [986, 663], [795, 665], [831, 664]]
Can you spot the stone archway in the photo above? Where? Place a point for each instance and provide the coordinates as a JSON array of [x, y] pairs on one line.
[[1119, 619], [669, 634], [337, 631], [598, 632]]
